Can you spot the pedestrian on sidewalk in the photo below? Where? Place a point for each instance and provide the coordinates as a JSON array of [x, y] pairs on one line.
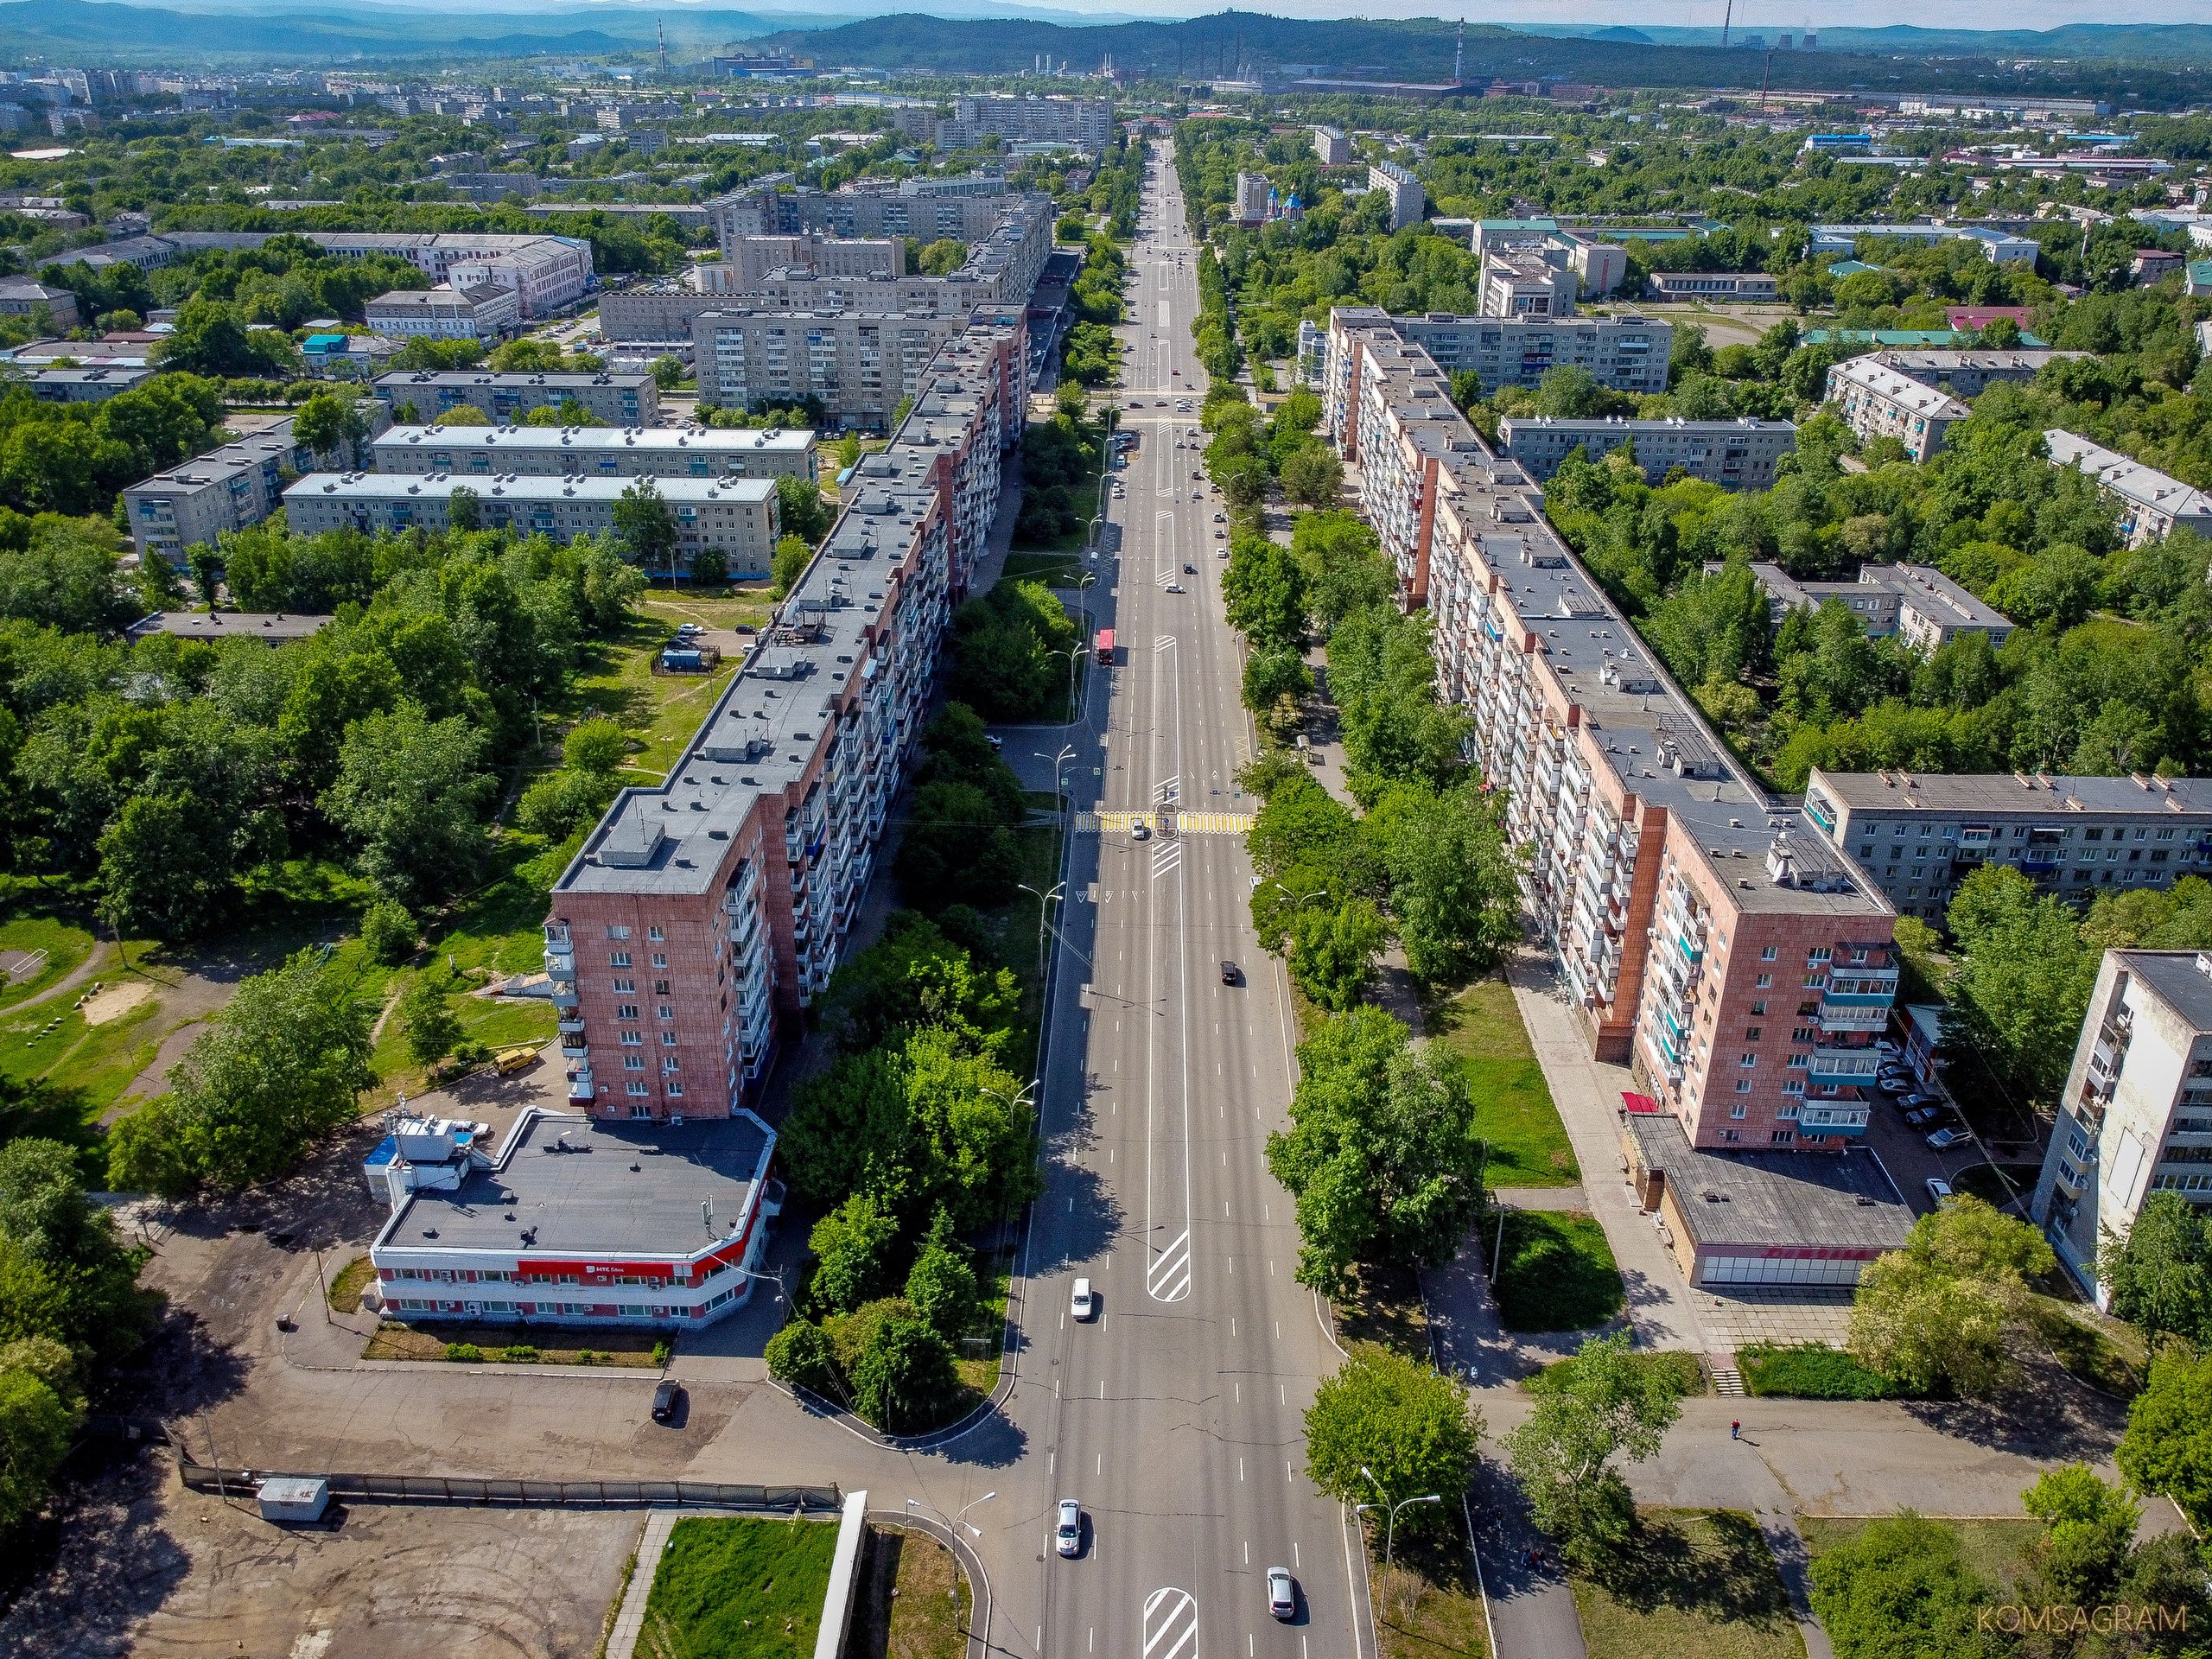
[[1736, 1431]]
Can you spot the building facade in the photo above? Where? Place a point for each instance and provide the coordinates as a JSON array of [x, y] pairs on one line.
[[1624, 353], [2152, 504], [1877, 401], [858, 365], [595, 451], [733, 517], [483, 313], [1737, 454], [1331, 147], [1740, 285], [2135, 1117], [702, 915], [93, 385], [1709, 939], [617, 399], [226, 489], [1525, 285], [1409, 201], [1918, 834], [1253, 191], [1968, 374]]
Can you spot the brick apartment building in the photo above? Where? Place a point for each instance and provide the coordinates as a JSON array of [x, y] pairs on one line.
[[702, 914]]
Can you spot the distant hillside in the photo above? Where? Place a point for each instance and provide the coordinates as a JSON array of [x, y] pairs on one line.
[[2165, 43], [1421, 49]]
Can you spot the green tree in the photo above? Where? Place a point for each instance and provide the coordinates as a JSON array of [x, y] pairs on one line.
[[800, 510], [801, 1355], [285, 1061], [1270, 675], [331, 427], [1566, 1454], [65, 1274], [1380, 1155], [788, 565], [645, 526], [2024, 978], [904, 1380], [852, 1247], [667, 372], [1454, 883], [2168, 1445], [599, 748], [1899, 1586], [1333, 951], [388, 932], [409, 796], [2158, 1274], [211, 339], [36, 1429], [1312, 476], [433, 1029], [941, 258], [942, 1285], [464, 509], [1937, 1314], [1408, 1424]]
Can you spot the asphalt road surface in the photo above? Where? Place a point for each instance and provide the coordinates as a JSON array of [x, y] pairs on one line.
[[1174, 1417]]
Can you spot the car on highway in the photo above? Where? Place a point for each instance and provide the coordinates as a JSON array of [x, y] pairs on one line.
[[666, 1398], [1228, 974], [1222, 535], [1067, 1536], [1140, 831], [1189, 569], [1174, 586], [1939, 1189], [1282, 1594], [1944, 1140], [1082, 1302], [1221, 518]]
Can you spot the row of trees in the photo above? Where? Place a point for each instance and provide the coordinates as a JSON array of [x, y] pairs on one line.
[[915, 1135], [1058, 457], [1016, 652]]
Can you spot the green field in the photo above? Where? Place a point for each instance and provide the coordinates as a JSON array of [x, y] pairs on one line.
[[738, 1589], [1996, 1552], [1513, 1104]]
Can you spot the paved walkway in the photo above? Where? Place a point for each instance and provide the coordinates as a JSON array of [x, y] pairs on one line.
[[1588, 1094], [1542, 1197], [1531, 1606], [1786, 1545], [630, 1622]]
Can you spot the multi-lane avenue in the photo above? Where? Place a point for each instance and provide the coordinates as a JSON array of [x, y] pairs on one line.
[[1175, 1416]]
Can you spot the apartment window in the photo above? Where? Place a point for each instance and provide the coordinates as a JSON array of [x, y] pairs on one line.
[[1804, 1034], [1783, 1137], [625, 987], [1752, 1033], [626, 1011], [636, 1090], [1800, 1062], [633, 1062], [1730, 1137], [665, 1012], [1763, 982], [1815, 981], [1768, 954], [618, 932], [1757, 1008], [2165, 835], [668, 1062], [1796, 1089], [1747, 1060], [668, 1040], [1819, 953], [1787, 1109], [631, 1039], [660, 959], [660, 986], [1739, 1110], [675, 1088], [655, 935], [618, 958]]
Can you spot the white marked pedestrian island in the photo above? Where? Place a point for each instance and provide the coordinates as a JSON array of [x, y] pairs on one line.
[[1170, 1624], [1168, 1278]]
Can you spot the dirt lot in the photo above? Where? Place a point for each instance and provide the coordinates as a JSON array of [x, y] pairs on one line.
[[200, 1578]]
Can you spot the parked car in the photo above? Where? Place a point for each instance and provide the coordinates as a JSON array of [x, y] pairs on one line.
[[1915, 1099], [1887, 1046], [1944, 1140], [1920, 1117], [666, 1397], [1893, 1085], [1282, 1594], [1939, 1189], [1082, 1303], [1067, 1536]]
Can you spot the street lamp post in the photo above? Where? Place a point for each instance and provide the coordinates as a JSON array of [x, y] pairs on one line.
[[1067, 754], [1042, 900], [957, 1519], [1390, 1524], [1070, 655]]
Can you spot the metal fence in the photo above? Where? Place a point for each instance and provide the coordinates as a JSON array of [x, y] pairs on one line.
[[470, 1488]]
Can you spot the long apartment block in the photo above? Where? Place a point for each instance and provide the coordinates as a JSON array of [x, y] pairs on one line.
[[617, 399], [1627, 353], [1918, 834], [1712, 940], [192, 505], [702, 914], [597, 451]]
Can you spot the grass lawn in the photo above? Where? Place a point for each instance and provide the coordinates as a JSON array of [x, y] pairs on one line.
[[738, 1589], [1694, 1581], [1513, 1104], [1427, 1605], [2101, 1352], [429, 1341], [1556, 1272], [346, 1284], [1809, 1370], [1681, 1370], [38, 950], [1994, 1551]]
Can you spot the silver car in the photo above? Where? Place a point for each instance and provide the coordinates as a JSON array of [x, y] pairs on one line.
[[1282, 1594], [1067, 1536]]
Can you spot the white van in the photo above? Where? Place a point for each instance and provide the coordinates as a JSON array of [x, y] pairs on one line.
[[1082, 1304]]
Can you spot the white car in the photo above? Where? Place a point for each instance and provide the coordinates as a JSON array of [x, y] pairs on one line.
[[1067, 1536], [1082, 1303], [1140, 831]]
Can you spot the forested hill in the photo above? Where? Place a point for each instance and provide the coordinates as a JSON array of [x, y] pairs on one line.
[[1421, 49]]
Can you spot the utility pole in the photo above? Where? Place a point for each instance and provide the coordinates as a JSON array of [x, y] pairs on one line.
[[1764, 75], [1726, 18]]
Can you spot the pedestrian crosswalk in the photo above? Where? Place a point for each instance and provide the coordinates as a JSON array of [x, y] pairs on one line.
[[1183, 823]]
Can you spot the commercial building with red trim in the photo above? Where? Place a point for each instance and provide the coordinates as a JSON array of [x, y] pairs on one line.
[[577, 1220]]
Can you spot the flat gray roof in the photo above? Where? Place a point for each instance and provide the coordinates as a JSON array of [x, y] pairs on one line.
[[557, 382], [1837, 1199], [2037, 794], [631, 1188], [2178, 977], [596, 439]]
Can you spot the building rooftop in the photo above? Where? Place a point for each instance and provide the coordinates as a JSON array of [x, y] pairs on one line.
[[584, 440], [270, 627], [491, 378], [588, 1187], [1899, 388], [2183, 980], [760, 736], [1840, 1200], [1938, 361], [2013, 792], [2128, 478], [526, 486]]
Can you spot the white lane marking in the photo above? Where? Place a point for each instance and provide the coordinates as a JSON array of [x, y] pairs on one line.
[[1164, 319], [1168, 1278], [1171, 1624]]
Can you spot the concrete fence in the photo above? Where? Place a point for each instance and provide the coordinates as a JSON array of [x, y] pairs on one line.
[[593, 1494]]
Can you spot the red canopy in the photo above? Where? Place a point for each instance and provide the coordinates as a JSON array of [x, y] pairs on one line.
[[1638, 1103]]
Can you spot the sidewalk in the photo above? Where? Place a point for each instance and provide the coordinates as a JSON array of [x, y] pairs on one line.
[[1660, 1305]]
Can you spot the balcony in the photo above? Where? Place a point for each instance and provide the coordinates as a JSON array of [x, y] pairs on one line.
[[579, 1083], [564, 994], [574, 1046], [572, 1027], [1824, 1119], [1844, 1065], [1854, 1016], [560, 962]]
